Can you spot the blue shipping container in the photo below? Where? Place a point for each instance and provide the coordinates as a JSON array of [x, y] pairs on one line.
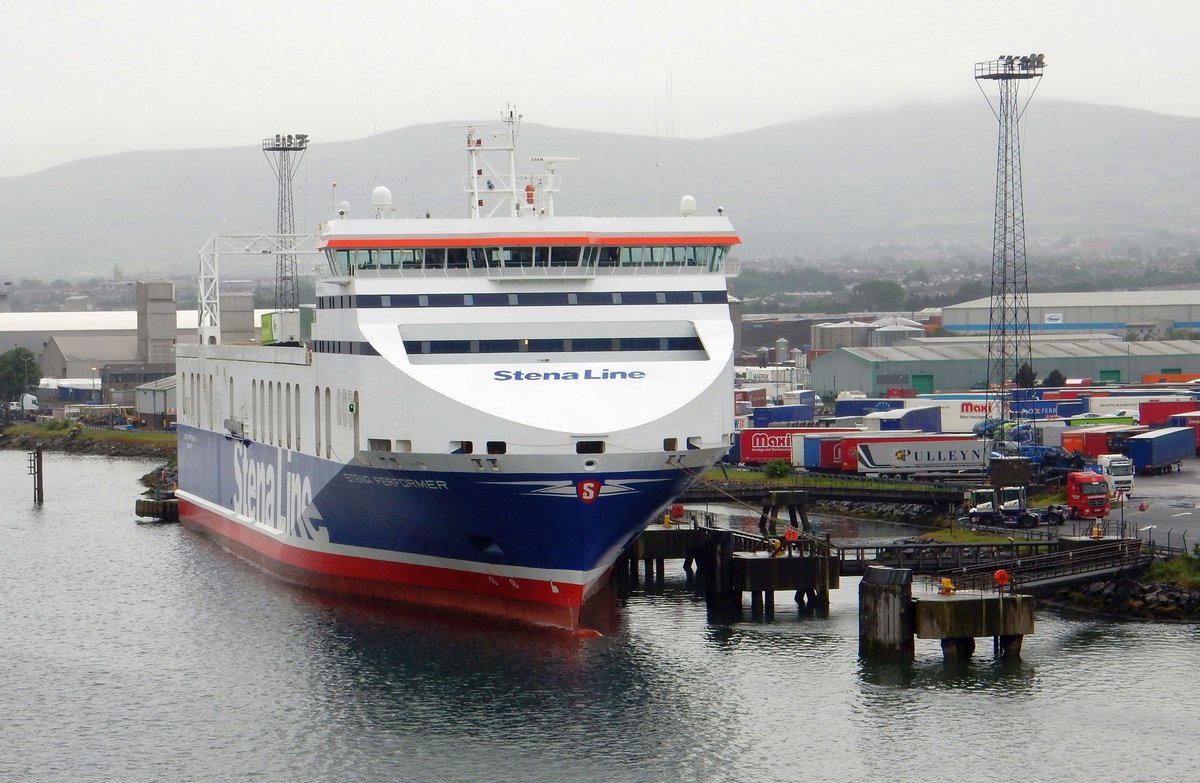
[[862, 407], [776, 414], [1158, 451]]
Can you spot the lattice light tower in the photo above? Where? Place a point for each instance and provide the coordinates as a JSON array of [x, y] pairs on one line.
[[284, 152], [1008, 335]]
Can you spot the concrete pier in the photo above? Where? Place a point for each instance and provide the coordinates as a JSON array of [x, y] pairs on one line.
[[890, 618]]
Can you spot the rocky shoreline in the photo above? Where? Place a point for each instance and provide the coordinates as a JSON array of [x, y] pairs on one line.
[[901, 513], [1119, 599], [71, 444], [1129, 599]]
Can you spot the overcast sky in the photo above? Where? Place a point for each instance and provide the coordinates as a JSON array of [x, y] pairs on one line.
[[85, 78]]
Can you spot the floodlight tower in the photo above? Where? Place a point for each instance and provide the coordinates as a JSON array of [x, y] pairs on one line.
[[281, 151], [1008, 335]]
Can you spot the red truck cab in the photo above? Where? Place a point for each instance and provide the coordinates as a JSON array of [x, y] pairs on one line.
[[1087, 495]]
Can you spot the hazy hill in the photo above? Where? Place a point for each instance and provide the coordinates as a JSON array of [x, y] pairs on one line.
[[831, 186]]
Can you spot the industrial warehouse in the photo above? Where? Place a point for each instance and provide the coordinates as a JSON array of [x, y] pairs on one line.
[[955, 364]]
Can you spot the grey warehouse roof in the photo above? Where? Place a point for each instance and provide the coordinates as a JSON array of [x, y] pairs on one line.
[[1040, 350], [1096, 299]]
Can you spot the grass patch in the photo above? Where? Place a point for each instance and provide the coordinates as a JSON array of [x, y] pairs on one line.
[[1183, 571], [77, 433], [960, 536], [802, 480]]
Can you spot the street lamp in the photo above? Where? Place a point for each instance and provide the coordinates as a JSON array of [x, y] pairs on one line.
[[95, 398]]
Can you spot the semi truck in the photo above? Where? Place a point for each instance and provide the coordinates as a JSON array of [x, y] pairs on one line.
[[1087, 495], [1007, 507], [25, 407], [1117, 470], [1161, 450]]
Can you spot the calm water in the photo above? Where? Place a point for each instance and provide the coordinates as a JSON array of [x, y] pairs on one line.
[[143, 653]]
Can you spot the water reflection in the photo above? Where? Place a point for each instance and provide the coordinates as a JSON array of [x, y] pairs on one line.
[[841, 530], [983, 672]]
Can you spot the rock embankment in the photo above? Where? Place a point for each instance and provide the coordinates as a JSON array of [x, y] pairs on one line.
[[903, 513], [82, 445], [1129, 598]]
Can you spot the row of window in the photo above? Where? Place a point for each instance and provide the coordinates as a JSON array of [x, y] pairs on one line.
[[349, 261], [527, 299], [533, 345], [576, 345]]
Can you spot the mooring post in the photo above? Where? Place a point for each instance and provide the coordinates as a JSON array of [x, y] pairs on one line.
[[35, 470], [885, 615]]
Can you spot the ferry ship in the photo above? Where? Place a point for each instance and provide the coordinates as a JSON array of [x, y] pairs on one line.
[[487, 409]]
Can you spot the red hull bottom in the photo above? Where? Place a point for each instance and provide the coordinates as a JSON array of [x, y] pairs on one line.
[[538, 602]]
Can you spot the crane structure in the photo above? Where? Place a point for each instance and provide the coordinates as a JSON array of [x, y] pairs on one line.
[[1008, 333]]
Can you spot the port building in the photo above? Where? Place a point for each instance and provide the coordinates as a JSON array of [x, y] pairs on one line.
[[957, 364], [1146, 313]]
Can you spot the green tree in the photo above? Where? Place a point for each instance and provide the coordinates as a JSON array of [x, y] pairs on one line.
[[777, 469], [1025, 376], [18, 371], [1054, 378], [878, 295]]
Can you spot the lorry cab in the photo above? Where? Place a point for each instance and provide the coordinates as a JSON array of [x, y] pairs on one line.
[[1117, 470], [1087, 495]]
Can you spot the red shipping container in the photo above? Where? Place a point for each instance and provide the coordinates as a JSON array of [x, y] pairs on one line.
[[761, 445], [1156, 412]]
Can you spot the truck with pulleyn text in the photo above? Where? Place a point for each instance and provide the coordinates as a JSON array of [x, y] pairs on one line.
[[947, 457]]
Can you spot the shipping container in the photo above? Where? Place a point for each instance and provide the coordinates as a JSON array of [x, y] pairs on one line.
[[1161, 450], [1091, 441], [755, 395], [1191, 420], [1107, 406], [861, 406], [927, 418], [1155, 413], [824, 451], [944, 456], [778, 414], [758, 446], [960, 413], [849, 444]]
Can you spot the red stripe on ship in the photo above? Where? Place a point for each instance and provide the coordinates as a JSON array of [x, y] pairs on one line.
[[447, 588], [730, 239]]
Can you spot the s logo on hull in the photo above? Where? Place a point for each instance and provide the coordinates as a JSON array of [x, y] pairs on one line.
[[587, 491]]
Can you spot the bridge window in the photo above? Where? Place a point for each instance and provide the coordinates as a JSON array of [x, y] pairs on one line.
[[435, 258], [589, 447], [497, 447]]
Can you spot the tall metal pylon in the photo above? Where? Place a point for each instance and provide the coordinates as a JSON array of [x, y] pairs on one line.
[[280, 150], [1008, 335]]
